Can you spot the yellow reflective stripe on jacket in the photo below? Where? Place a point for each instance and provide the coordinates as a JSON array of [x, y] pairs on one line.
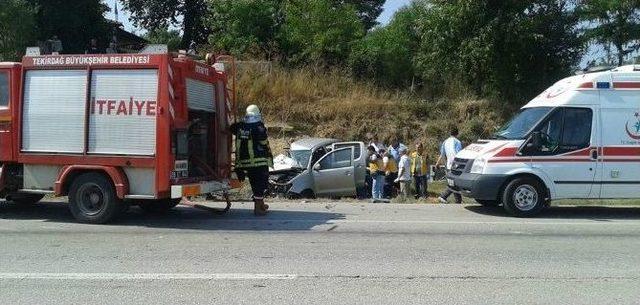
[[392, 166]]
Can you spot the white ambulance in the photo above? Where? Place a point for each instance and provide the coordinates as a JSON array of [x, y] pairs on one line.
[[580, 139]]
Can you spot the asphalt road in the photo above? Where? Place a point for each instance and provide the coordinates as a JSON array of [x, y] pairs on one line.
[[317, 253]]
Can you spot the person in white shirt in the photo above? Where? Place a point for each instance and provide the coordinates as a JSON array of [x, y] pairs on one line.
[[404, 173], [375, 142], [449, 149], [394, 149]]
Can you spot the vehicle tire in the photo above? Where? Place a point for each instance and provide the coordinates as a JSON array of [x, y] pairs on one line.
[[488, 203], [26, 198], [159, 206], [523, 197], [92, 199], [308, 194]]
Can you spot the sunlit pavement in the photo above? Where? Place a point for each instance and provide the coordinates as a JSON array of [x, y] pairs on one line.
[[322, 253]]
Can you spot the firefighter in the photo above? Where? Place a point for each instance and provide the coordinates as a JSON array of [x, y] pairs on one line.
[[253, 156]]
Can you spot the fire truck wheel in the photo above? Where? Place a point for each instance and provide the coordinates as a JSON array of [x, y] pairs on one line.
[[159, 206], [92, 199], [524, 197], [26, 199]]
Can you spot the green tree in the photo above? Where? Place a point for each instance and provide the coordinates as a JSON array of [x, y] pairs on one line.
[[74, 22], [613, 22], [189, 15], [171, 38], [368, 10], [512, 49], [17, 23], [246, 27], [320, 32], [386, 54]]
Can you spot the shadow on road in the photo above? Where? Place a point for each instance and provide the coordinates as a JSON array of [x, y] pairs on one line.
[[238, 219], [598, 213]]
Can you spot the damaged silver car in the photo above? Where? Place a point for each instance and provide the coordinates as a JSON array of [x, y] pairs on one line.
[[320, 167]]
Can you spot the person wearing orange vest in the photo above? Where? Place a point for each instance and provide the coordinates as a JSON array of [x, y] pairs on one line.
[[420, 171]]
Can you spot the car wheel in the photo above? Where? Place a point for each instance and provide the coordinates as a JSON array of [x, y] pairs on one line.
[[488, 203], [159, 206], [308, 194], [524, 197], [26, 198], [92, 199]]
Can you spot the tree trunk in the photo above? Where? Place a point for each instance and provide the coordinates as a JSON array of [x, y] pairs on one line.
[[620, 49], [188, 24]]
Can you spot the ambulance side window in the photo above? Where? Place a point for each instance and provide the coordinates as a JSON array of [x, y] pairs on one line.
[[551, 130], [4, 89], [565, 130], [576, 133]]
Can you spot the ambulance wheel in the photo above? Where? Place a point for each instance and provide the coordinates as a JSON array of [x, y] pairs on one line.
[[159, 206], [26, 198], [488, 203], [92, 199], [524, 197]]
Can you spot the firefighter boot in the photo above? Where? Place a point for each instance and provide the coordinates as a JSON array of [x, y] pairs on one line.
[[259, 207]]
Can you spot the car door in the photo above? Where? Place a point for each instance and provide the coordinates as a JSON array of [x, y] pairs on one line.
[[569, 155], [333, 174], [359, 159]]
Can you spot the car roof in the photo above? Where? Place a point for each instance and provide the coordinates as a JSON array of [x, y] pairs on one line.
[[311, 143]]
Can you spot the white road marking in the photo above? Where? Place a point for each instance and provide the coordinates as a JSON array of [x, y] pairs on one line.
[[630, 222], [145, 276]]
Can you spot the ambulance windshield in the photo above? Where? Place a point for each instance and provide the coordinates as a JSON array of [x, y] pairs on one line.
[[522, 123]]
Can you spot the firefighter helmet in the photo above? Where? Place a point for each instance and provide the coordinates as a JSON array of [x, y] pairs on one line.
[[253, 110]]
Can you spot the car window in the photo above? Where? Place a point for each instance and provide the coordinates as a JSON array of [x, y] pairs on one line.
[[356, 149], [4, 89], [337, 159], [317, 154], [301, 157]]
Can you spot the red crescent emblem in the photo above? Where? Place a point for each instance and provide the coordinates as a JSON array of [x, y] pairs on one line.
[[630, 134]]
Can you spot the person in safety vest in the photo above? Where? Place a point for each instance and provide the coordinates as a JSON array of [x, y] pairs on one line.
[[253, 156]]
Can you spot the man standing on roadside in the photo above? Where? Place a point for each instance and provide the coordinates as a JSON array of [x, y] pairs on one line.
[[404, 174], [420, 171], [253, 156], [395, 148], [448, 150]]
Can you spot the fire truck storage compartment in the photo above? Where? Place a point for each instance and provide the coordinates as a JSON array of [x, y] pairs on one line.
[[123, 112], [122, 118], [53, 112], [201, 140]]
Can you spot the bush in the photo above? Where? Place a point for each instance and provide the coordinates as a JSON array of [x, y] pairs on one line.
[[316, 102]]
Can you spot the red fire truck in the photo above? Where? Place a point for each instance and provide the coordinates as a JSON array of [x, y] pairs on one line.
[[112, 130]]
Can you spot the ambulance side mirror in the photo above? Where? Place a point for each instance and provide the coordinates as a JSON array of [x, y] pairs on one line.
[[317, 167]]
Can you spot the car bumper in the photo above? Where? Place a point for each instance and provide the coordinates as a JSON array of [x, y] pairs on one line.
[[196, 189], [478, 186]]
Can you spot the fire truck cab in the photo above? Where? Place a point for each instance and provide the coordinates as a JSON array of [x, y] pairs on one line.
[[110, 130]]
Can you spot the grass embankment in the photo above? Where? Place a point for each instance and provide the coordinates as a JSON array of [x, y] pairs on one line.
[[330, 104]]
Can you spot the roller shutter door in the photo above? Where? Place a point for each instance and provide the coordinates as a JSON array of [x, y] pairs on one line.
[[53, 111], [200, 95], [123, 112]]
